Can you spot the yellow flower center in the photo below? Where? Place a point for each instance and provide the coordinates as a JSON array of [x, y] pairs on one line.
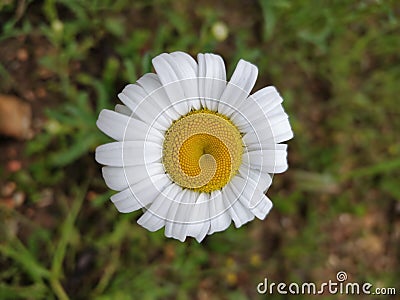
[[202, 151]]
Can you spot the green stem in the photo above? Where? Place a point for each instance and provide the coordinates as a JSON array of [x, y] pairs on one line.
[[61, 249], [58, 289], [378, 168]]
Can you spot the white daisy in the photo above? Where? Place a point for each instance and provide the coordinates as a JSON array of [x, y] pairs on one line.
[[194, 151]]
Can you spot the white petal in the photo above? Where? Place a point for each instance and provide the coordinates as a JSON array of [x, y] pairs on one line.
[[151, 85], [178, 228], [174, 228], [200, 218], [262, 135], [123, 109], [271, 160], [150, 221], [119, 179], [155, 216], [246, 114], [277, 130], [189, 76], [121, 127], [178, 74], [148, 104], [263, 120], [141, 194], [132, 95], [262, 207], [183, 56], [238, 88], [255, 117], [268, 98], [219, 217], [251, 196], [239, 213], [262, 180], [265, 99], [158, 99], [212, 79], [281, 131], [276, 115], [257, 106], [128, 153]]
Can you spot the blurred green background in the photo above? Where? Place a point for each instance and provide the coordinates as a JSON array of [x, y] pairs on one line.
[[337, 65]]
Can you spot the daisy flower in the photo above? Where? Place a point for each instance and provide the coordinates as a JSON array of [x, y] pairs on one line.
[[192, 150]]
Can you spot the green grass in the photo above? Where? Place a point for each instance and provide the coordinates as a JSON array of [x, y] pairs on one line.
[[336, 63]]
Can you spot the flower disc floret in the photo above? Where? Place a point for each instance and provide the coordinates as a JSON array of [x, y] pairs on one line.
[[202, 151]]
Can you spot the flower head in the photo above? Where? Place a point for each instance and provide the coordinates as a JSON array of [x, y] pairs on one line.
[[194, 151]]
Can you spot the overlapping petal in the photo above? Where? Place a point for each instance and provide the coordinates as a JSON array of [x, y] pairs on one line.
[[238, 88], [147, 101], [122, 127], [262, 118], [129, 153], [118, 178], [271, 159], [140, 194], [178, 74], [219, 219], [212, 79]]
